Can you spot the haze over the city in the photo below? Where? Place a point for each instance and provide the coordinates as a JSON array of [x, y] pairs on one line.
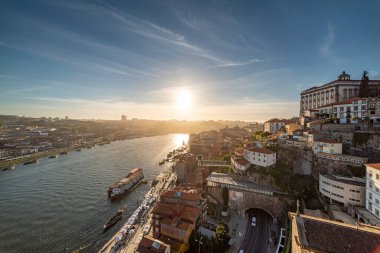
[[192, 60]]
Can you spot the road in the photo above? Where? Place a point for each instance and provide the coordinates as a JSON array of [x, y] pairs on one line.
[[257, 237], [132, 244]]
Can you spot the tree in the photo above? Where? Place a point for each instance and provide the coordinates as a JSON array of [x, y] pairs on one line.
[[221, 237], [225, 197], [364, 86]]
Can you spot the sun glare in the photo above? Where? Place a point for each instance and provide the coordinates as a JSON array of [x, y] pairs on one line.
[[184, 100]]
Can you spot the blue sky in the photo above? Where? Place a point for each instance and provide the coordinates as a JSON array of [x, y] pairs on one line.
[[239, 60]]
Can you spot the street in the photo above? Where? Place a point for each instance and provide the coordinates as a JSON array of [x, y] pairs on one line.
[[257, 237]]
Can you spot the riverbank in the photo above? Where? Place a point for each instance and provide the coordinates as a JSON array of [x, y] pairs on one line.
[[9, 163], [127, 239]]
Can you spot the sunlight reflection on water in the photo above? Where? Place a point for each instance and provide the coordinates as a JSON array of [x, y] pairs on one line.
[[180, 139]]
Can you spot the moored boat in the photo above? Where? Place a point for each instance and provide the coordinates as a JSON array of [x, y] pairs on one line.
[[113, 220], [125, 184], [30, 162], [53, 156]]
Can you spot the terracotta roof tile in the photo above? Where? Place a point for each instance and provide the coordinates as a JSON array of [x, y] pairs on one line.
[[325, 236], [374, 165], [260, 150]]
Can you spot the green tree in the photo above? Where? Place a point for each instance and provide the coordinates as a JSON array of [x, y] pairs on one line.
[[225, 197], [221, 237]]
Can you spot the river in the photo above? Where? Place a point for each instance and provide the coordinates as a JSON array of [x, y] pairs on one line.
[[62, 202]]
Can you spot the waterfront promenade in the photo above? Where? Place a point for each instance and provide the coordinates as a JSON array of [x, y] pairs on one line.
[[130, 244]]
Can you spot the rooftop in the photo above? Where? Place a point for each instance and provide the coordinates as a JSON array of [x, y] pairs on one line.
[[260, 150], [322, 235], [329, 141], [230, 179], [183, 195], [276, 120], [346, 180], [374, 165], [152, 244]]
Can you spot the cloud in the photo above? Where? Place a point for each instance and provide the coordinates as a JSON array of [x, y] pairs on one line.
[[151, 30], [237, 63], [325, 48]]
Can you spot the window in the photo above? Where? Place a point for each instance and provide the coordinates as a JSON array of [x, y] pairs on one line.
[[370, 196], [377, 212], [377, 201], [370, 185], [377, 176], [369, 174]]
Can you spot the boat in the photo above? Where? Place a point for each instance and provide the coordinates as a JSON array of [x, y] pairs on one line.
[[53, 156], [120, 188], [6, 168], [161, 162], [64, 153], [78, 150], [30, 162], [113, 220]]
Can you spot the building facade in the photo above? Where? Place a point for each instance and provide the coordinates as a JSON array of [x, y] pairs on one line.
[[344, 190], [260, 156], [373, 189], [348, 111], [336, 91], [327, 146], [274, 125]]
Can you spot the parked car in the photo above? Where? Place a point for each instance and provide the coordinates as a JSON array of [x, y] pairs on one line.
[[253, 221]]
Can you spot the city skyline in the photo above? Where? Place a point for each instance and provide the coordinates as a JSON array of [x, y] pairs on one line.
[[176, 59]]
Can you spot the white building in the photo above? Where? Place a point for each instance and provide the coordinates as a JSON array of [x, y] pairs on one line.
[[373, 189], [347, 111], [344, 190], [274, 125], [240, 164], [336, 91], [260, 156], [327, 146]]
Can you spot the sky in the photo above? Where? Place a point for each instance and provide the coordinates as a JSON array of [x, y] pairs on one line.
[[185, 60]]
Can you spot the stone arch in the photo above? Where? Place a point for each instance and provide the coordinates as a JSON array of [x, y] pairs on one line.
[[261, 208]]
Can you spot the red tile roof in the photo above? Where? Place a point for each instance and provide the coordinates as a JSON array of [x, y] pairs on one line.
[[348, 101], [374, 165], [276, 120], [149, 244], [261, 150], [321, 235], [242, 161], [190, 196]]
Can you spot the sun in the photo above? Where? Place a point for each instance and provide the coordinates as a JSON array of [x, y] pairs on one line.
[[183, 100]]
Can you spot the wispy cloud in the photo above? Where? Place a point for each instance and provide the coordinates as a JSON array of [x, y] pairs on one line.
[[153, 31], [237, 63], [325, 48]]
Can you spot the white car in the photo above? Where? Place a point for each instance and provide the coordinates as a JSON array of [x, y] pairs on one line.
[[253, 221]]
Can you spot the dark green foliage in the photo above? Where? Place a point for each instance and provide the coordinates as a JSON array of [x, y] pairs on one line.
[[225, 196], [361, 138], [211, 245]]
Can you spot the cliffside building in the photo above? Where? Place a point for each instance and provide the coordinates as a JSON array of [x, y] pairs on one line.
[[336, 91]]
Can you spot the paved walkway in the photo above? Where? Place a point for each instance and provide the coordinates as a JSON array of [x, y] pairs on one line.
[[238, 228]]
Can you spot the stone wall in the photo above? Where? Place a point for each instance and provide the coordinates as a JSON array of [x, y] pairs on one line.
[[275, 206], [300, 160]]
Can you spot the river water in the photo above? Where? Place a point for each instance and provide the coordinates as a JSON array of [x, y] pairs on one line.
[[63, 202]]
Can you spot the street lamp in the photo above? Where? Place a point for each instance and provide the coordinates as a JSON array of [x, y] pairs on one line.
[[199, 244]]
